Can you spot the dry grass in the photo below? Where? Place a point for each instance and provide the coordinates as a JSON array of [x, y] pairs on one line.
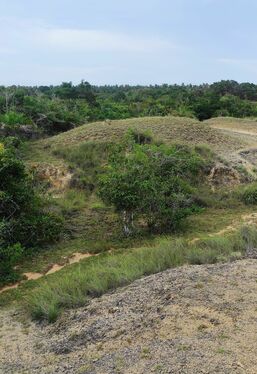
[[168, 129], [240, 125], [243, 130]]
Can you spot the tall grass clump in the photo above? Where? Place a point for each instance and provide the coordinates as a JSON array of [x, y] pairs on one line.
[[75, 285], [72, 201], [86, 161], [249, 194]]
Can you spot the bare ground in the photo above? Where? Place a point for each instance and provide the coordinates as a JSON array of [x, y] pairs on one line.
[[193, 319]]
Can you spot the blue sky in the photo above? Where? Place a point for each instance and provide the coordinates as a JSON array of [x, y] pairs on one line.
[[127, 41]]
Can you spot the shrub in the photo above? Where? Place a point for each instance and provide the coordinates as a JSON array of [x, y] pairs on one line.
[[151, 181], [140, 137], [37, 229], [8, 258], [14, 118], [12, 142], [249, 195], [22, 217]]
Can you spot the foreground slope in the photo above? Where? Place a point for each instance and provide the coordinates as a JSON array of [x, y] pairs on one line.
[[193, 319]]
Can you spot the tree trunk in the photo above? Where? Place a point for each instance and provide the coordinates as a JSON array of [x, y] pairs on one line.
[[128, 222]]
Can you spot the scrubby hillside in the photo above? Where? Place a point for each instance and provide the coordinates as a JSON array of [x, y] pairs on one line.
[[225, 136], [68, 165], [169, 129], [93, 256]]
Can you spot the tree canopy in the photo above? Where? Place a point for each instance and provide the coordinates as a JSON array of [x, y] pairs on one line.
[[154, 182], [53, 109]]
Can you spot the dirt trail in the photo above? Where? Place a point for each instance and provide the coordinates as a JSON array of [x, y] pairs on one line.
[[193, 319], [246, 156], [234, 130], [246, 219], [249, 219], [76, 257]]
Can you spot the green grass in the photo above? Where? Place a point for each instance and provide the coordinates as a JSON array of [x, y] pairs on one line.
[[72, 201], [249, 194], [75, 285], [96, 229], [92, 227], [86, 161]]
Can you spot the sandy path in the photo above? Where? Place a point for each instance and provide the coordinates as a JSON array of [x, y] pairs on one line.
[[249, 219], [76, 257]]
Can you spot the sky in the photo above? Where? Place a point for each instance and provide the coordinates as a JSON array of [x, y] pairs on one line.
[[127, 41]]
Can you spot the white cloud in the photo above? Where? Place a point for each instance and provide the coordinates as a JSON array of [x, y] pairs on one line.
[[96, 40], [46, 53], [34, 34]]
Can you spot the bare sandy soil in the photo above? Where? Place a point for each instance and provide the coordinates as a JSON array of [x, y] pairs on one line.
[[193, 319]]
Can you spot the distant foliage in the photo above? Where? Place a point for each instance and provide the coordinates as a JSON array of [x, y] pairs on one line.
[[13, 118], [151, 181], [53, 109]]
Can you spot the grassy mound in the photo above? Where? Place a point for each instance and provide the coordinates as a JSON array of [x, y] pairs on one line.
[[168, 129]]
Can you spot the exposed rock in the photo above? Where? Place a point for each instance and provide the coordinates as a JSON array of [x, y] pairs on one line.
[[250, 155], [251, 253], [222, 175], [58, 177]]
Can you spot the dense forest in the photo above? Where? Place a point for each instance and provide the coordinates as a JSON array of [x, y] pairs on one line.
[[53, 109]]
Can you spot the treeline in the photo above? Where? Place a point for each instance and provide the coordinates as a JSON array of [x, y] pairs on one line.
[[53, 109]]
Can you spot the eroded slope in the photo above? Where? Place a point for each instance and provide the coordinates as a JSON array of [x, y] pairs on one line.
[[194, 319]]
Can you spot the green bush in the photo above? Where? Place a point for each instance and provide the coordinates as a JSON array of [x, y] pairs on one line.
[[9, 257], [249, 195], [14, 118], [22, 217], [154, 182], [37, 229]]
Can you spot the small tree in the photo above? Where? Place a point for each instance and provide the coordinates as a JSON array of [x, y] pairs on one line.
[[23, 222], [151, 181]]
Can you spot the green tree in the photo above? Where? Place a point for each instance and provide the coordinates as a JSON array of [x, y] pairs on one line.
[[23, 221], [152, 182]]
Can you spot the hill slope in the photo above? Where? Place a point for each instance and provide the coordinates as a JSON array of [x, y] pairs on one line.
[[176, 321], [193, 319], [168, 129]]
